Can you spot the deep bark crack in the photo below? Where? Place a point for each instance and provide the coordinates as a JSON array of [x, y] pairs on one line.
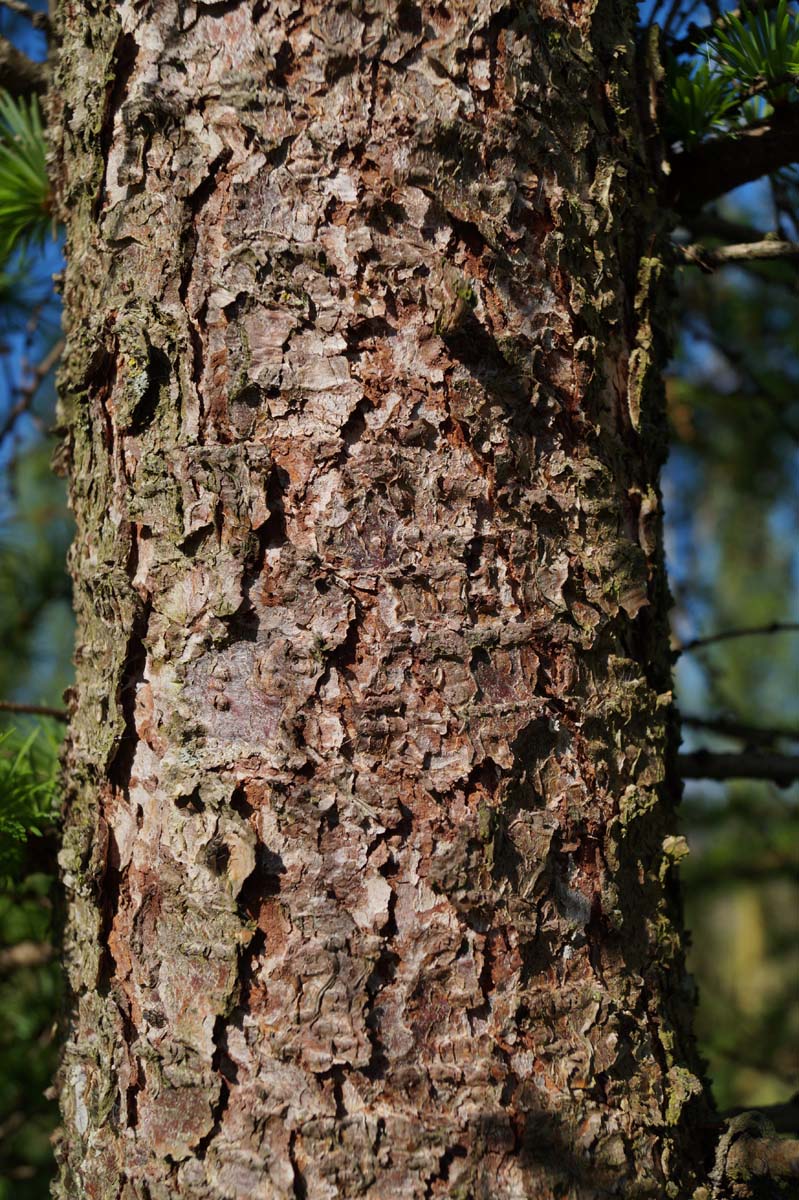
[[300, 1188]]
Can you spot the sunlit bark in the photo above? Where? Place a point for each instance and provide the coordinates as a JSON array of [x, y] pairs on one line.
[[370, 771]]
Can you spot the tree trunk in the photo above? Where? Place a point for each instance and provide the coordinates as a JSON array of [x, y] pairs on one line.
[[371, 774]]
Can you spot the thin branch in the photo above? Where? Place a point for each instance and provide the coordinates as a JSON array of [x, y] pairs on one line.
[[671, 15], [737, 729], [27, 391], [713, 224], [697, 35], [720, 877], [720, 164], [782, 769], [707, 258], [39, 20], [19, 74], [25, 954], [36, 710], [726, 634]]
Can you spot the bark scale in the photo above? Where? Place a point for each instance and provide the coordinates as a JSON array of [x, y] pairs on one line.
[[370, 777]]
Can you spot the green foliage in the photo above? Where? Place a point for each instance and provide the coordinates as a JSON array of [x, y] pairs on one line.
[[750, 66], [29, 1000], [699, 101], [762, 49], [731, 502], [24, 185], [28, 784]]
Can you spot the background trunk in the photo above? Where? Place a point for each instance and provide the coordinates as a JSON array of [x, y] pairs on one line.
[[367, 848]]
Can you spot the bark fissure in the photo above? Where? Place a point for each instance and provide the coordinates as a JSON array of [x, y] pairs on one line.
[[299, 1188], [120, 72]]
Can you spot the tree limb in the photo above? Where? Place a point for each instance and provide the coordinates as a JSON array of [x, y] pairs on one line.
[[36, 710], [784, 1117], [750, 1150], [737, 729], [726, 634], [717, 166], [19, 74], [713, 224], [776, 1158], [28, 390], [782, 769], [707, 258]]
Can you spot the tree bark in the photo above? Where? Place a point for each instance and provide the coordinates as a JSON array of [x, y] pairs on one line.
[[371, 767]]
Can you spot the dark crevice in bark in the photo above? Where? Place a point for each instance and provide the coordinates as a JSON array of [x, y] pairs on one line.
[[133, 1104], [354, 427], [365, 333], [193, 802], [345, 655], [264, 881], [477, 351], [374, 74], [239, 802], [383, 973], [194, 206], [111, 891], [247, 963], [442, 1174], [299, 1186], [131, 676], [216, 856], [119, 75], [283, 59], [225, 1070], [409, 17], [481, 1012], [336, 1076], [158, 376], [218, 8], [272, 534], [329, 820]]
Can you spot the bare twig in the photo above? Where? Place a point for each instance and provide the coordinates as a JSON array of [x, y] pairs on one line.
[[720, 164], [27, 391], [36, 710], [782, 769], [737, 729], [726, 634], [19, 74], [707, 258], [39, 20]]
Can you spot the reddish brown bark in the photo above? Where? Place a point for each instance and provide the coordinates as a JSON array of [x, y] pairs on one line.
[[368, 846]]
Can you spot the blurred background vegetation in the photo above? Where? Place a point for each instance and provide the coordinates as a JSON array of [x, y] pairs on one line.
[[732, 510], [731, 504]]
